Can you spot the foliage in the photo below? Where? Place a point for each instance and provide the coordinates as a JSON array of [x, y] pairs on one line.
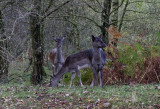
[[133, 63], [130, 56]]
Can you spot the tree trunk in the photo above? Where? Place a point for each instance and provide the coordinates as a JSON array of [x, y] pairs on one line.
[[114, 20], [37, 43], [123, 14], [75, 29], [3, 57], [77, 39], [105, 20]]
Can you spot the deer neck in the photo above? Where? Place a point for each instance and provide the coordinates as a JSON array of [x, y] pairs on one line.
[[59, 54], [96, 53]]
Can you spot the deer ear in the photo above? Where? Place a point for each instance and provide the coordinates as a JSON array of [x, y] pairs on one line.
[[64, 37], [100, 35], [54, 38], [54, 76], [93, 38]]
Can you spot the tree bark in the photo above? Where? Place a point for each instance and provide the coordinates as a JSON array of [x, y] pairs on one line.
[[37, 43], [123, 14], [3, 57], [105, 20], [75, 29], [114, 20]]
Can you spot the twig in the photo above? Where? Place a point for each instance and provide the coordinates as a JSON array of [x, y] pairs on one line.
[[117, 7], [59, 7], [145, 72], [14, 24], [110, 78], [157, 76], [92, 7]]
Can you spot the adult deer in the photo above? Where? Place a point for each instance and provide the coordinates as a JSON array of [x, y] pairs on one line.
[[94, 58], [56, 56]]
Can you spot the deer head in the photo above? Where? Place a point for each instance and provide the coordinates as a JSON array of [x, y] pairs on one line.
[[53, 81], [97, 42], [59, 41]]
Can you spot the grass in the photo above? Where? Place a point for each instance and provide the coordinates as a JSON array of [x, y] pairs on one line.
[[20, 94], [124, 96]]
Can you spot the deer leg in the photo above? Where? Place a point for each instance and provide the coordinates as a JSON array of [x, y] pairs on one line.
[[95, 77], [53, 69], [63, 80], [59, 66], [56, 69], [101, 77], [72, 77], [79, 76], [92, 83]]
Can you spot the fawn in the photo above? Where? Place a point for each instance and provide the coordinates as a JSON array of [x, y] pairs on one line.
[[56, 56]]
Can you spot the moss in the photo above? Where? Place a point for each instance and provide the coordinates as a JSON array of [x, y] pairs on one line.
[[43, 71]]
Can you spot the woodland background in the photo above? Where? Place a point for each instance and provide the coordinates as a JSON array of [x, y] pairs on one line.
[[132, 35]]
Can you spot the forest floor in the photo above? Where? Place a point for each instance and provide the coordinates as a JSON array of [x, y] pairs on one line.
[[20, 94]]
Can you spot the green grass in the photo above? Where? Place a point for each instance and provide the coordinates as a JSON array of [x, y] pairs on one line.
[[124, 96], [19, 93]]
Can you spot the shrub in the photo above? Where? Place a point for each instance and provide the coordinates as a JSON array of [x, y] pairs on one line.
[[135, 63]]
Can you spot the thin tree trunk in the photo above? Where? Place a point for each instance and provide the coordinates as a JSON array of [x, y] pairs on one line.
[[3, 57], [114, 20], [123, 14], [77, 38], [75, 30], [105, 19], [37, 43]]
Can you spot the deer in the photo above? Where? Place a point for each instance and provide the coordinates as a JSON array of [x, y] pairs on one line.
[[94, 58], [56, 56]]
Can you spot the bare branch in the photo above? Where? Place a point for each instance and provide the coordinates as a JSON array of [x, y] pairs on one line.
[[6, 3], [99, 4], [14, 24], [87, 19], [117, 7], [59, 7], [139, 12], [141, 18], [49, 6], [122, 18], [142, 2], [92, 7]]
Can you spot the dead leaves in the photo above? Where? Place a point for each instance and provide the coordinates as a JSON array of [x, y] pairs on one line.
[[113, 32], [81, 98]]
